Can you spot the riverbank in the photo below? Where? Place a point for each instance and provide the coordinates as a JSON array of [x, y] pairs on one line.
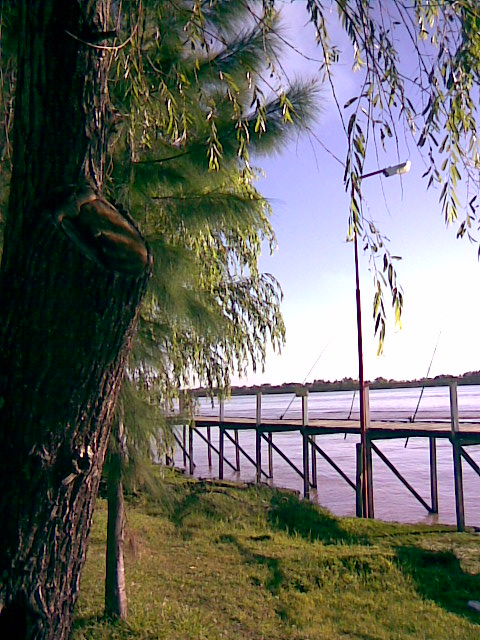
[[211, 561]]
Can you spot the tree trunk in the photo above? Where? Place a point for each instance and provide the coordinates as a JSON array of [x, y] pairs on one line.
[[115, 592], [73, 274]]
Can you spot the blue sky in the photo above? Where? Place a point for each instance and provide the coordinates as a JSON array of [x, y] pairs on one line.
[[314, 263]]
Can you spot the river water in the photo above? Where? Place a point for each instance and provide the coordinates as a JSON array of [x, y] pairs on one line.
[[391, 499]]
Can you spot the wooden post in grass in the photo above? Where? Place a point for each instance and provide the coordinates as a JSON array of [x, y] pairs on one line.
[[457, 458], [433, 475]]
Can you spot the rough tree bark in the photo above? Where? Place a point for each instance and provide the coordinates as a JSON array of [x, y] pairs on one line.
[[73, 274]]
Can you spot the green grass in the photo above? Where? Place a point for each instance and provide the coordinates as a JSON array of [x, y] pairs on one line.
[[211, 562]]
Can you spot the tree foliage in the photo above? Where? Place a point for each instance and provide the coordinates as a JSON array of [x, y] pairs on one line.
[[197, 91], [418, 69], [181, 164]]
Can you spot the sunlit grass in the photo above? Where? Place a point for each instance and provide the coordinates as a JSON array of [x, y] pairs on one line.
[[213, 562]]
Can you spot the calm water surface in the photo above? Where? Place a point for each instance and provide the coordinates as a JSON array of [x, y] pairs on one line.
[[392, 500]]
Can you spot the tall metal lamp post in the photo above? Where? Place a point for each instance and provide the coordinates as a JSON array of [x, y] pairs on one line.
[[395, 170]]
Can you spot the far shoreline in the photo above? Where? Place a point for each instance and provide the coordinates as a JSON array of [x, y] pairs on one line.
[[347, 384]]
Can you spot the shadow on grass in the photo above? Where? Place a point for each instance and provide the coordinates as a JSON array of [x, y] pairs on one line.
[[276, 576], [184, 507], [300, 517], [438, 576]]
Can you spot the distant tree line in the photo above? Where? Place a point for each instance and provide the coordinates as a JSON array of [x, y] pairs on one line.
[[350, 384]]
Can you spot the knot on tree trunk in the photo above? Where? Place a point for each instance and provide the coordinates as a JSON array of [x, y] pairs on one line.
[[103, 233]]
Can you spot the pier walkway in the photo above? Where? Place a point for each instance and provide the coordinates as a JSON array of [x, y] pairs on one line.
[[460, 434]]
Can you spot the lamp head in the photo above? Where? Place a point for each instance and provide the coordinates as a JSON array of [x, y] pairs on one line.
[[397, 169]]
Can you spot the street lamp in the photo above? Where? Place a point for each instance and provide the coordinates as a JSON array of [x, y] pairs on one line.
[[395, 170]]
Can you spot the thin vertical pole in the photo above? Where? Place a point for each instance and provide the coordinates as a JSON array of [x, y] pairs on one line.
[[190, 450], [457, 458], [305, 409], [258, 439], [258, 451], [237, 451], [306, 452], [270, 455], [184, 446], [314, 463], [358, 480], [181, 403], [221, 443], [221, 446], [369, 477], [361, 383], [433, 474], [259, 409], [209, 447], [306, 472]]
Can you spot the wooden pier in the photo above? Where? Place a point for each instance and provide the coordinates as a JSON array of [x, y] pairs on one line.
[[460, 435]]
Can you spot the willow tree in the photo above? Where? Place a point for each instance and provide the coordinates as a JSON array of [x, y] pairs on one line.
[[417, 68], [208, 309]]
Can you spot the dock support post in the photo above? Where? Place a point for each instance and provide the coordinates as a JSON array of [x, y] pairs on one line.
[[237, 451], [221, 410], [306, 452], [270, 455], [181, 406], [221, 447], [221, 435], [258, 412], [433, 475], [369, 478], [258, 456], [191, 466], [368, 510], [209, 447], [258, 439], [305, 409], [184, 434], [306, 472], [314, 463], [457, 458], [358, 481]]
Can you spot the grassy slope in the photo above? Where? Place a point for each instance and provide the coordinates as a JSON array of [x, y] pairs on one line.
[[213, 562]]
